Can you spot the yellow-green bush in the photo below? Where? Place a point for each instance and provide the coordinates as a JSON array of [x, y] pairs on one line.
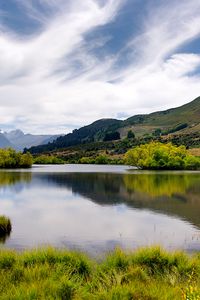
[[158, 156], [9, 158], [48, 160]]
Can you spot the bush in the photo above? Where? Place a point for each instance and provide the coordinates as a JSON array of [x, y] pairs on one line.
[[48, 160], [158, 156], [87, 160], [100, 160], [9, 158], [26, 160]]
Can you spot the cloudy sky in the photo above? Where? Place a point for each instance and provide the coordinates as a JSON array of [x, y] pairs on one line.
[[66, 63]]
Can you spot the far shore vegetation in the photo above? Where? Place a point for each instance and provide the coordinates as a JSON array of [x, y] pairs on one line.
[[153, 155], [48, 160], [145, 274], [9, 158], [99, 159]]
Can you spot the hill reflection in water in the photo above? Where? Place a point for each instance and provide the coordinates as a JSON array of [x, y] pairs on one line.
[[95, 211], [170, 193]]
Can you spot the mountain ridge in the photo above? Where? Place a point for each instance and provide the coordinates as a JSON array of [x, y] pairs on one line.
[[4, 142], [18, 140]]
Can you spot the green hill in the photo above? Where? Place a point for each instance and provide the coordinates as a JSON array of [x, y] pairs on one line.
[[170, 121], [183, 120], [189, 112], [96, 131]]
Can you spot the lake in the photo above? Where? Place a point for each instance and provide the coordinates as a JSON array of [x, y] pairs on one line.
[[97, 208]]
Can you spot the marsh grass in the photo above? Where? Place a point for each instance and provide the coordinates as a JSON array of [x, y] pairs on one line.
[[5, 226], [148, 274]]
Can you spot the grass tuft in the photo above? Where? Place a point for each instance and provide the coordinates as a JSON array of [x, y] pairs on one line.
[[5, 226], [149, 274]]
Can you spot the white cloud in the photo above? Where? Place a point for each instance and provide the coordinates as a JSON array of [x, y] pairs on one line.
[[43, 90]]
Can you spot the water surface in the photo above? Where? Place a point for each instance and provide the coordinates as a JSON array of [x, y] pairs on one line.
[[96, 208]]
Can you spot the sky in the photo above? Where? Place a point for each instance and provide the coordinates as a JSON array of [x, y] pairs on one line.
[[67, 63]]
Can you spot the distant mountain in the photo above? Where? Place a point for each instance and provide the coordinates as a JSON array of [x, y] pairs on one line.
[[18, 140], [181, 120], [4, 142]]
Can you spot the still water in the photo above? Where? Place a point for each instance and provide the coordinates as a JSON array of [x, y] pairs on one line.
[[96, 208]]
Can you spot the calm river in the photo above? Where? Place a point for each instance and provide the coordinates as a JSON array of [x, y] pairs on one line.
[[96, 208]]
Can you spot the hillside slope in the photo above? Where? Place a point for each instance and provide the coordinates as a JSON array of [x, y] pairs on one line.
[[189, 113], [169, 121], [181, 120]]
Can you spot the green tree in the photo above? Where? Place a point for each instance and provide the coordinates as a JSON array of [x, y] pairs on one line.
[[130, 134], [157, 132], [101, 160], [26, 160], [112, 136]]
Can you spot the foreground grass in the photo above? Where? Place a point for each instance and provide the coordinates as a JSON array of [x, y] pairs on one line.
[[148, 274]]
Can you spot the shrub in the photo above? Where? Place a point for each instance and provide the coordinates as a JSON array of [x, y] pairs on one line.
[[26, 160], [87, 160], [9, 158], [102, 160], [48, 160], [158, 156]]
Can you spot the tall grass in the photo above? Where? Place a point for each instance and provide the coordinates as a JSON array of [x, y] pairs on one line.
[[147, 274]]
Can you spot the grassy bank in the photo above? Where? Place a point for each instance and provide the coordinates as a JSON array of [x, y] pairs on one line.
[[115, 153], [148, 274]]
